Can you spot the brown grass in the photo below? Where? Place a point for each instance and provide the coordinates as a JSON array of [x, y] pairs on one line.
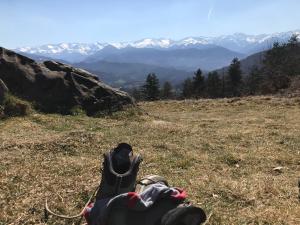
[[222, 151]]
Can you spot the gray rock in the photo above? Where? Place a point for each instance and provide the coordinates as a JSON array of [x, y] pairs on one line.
[[3, 91], [58, 87]]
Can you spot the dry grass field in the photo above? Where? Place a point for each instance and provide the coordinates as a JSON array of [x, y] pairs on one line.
[[222, 151]]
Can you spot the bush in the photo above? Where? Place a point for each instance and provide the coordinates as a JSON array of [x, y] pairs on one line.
[[13, 106], [77, 110]]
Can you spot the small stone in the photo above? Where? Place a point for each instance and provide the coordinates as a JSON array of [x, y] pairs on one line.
[[215, 196], [278, 169]]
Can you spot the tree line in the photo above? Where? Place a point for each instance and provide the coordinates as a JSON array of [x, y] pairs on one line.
[[280, 65]]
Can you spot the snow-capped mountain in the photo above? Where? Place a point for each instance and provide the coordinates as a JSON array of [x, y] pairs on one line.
[[82, 48], [243, 43]]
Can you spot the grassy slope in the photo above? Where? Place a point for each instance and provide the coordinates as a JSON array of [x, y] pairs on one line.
[[222, 151]]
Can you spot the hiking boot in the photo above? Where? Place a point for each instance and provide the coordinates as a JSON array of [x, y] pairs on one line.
[[119, 172], [184, 215]]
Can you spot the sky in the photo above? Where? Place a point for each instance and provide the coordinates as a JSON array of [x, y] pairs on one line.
[[37, 22]]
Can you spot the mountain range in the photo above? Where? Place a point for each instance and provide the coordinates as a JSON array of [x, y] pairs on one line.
[[123, 63], [238, 42]]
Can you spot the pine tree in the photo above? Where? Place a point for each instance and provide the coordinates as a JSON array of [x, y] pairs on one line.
[[151, 87], [274, 58], [280, 64], [214, 85], [292, 56], [167, 91], [254, 81], [198, 84], [187, 89], [235, 78]]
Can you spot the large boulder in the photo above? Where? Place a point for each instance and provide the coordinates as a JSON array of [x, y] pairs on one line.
[[57, 87], [3, 91]]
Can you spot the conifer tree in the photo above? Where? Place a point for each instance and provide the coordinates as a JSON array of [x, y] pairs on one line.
[[187, 89], [213, 85], [198, 84], [254, 81], [167, 90], [151, 87], [235, 78]]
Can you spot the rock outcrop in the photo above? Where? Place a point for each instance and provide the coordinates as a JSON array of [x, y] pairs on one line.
[[57, 87]]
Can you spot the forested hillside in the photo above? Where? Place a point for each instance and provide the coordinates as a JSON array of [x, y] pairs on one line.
[[276, 71]]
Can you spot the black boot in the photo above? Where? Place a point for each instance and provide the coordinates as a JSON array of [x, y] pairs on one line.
[[120, 168]]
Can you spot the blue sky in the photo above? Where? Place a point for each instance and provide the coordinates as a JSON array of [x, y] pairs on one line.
[[36, 22]]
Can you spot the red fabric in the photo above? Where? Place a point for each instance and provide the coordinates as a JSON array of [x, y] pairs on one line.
[[87, 210], [133, 199], [180, 196]]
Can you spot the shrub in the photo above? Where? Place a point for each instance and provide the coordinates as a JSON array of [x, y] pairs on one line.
[[77, 110], [13, 106]]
